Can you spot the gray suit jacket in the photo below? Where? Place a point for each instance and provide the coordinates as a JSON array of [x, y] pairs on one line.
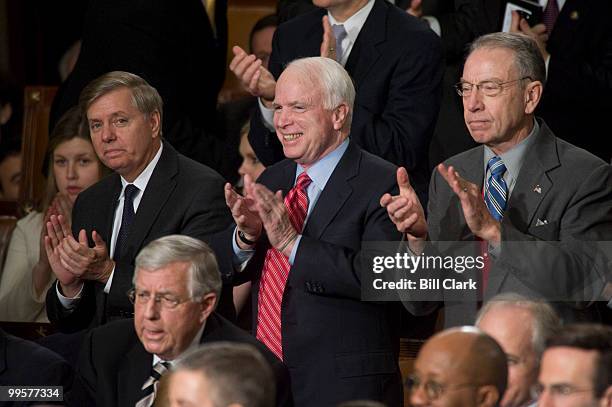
[[561, 205]]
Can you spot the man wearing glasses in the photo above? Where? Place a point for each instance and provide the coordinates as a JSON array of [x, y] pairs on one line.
[[522, 184], [576, 368], [176, 287], [459, 367]]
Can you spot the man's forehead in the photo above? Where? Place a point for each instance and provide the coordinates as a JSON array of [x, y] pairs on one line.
[[568, 362], [490, 62]]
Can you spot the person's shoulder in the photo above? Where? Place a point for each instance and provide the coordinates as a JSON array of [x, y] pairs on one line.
[[577, 158], [31, 221], [100, 188], [466, 156], [114, 337], [309, 18], [195, 171]]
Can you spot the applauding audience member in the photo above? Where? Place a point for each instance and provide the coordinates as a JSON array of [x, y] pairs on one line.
[[73, 167], [154, 192]]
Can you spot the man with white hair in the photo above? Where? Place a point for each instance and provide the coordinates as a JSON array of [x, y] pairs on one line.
[[302, 244], [176, 287], [521, 328]]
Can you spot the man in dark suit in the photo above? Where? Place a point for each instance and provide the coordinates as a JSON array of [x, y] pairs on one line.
[[543, 197], [394, 60], [155, 192], [176, 287], [25, 363], [578, 51], [302, 252], [177, 47]]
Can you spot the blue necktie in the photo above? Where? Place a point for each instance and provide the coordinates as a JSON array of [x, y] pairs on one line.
[[340, 33], [126, 219], [496, 190]]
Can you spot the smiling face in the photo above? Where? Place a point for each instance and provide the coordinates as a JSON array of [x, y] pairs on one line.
[[163, 331], [124, 138], [306, 129], [75, 167], [501, 121]]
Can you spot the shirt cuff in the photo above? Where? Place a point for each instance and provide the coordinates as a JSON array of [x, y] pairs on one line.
[[546, 63], [107, 287], [294, 250], [267, 115], [241, 257], [68, 303], [434, 24]]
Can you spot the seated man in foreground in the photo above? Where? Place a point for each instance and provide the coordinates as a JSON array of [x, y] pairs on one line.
[[176, 287]]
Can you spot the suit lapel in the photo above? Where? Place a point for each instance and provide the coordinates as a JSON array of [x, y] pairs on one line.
[[160, 187], [533, 184], [336, 192], [134, 371], [365, 51]]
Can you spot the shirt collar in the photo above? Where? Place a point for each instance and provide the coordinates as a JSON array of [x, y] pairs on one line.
[[194, 344], [143, 179], [320, 171], [354, 23], [513, 159]]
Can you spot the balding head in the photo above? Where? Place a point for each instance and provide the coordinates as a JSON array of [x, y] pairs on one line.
[[460, 367]]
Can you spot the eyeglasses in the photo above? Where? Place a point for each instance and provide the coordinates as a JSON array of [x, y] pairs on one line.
[[488, 88], [433, 389], [167, 301], [556, 390]]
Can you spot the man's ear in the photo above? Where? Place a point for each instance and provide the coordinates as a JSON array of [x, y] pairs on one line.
[[533, 94], [487, 396], [606, 399], [208, 306], [155, 122], [340, 115]]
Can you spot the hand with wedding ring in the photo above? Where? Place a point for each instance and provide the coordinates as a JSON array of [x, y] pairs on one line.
[[477, 216], [328, 44]]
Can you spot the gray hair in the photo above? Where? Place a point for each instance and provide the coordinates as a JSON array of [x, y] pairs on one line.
[[546, 323], [204, 276], [334, 82], [528, 58], [237, 373], [144, 96]]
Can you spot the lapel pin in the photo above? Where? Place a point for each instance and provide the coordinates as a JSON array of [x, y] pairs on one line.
[[574, 15], [537, 189]]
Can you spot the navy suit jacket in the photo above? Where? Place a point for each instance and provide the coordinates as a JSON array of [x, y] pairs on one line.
[[182, 197], [396, 65], [114, 364], [336, 346]]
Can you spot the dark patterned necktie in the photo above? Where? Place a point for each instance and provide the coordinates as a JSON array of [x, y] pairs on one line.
[[126, 219], [149, 387], [551, 12]]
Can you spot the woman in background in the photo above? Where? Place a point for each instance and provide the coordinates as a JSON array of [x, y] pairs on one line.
[[73, 167]]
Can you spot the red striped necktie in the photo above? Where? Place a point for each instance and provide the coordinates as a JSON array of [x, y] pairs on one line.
[[276, 271]]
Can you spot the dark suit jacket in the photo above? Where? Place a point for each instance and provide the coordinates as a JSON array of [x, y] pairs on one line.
[[336, 346], [24, 363], [114, 364], [172, 46], [565, 187], [396, 65], [182, 197], [577, 97]]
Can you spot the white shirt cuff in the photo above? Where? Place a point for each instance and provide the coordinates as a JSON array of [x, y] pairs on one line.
[[67, 302], [267, 115], [434, 24], [241, 257], [107, 287]]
